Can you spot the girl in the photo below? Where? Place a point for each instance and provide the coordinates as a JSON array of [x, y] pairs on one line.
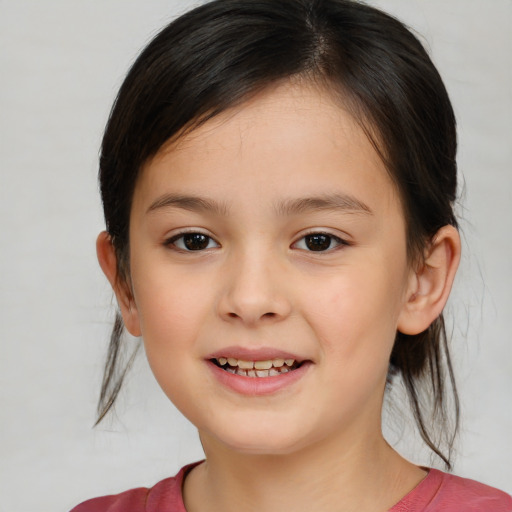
[[278, 181]]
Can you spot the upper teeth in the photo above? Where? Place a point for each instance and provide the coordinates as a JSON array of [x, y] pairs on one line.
[[258, 365]]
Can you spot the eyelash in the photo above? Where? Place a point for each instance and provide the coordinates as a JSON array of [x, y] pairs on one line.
[[331, 238], [172, 241]]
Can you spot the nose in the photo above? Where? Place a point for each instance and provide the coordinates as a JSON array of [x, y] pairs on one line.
[[254, 290]]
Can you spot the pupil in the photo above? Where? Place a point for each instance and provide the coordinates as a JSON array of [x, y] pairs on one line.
[[195, 241], [318, 242]]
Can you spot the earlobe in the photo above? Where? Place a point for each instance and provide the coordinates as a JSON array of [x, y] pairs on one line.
[[108, 262], [431, 283]]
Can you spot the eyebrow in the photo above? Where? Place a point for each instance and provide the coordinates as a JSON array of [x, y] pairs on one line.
[[191, 203], [288, 207], [334, 202]]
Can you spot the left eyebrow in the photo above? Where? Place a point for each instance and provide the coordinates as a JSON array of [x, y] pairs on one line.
[[336, 202]]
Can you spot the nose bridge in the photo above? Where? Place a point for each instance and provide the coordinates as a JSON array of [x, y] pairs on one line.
[[254, 287]]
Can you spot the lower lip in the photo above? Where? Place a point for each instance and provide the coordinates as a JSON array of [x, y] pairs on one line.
[[258, 386]]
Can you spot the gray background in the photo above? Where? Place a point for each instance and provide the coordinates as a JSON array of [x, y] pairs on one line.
[[61, 63]]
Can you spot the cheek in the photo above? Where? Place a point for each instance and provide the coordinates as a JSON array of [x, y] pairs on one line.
[[170, 324], [171, 310], [355, 315], [167, 301]]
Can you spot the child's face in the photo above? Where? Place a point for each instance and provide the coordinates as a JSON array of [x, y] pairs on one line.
[[299, 253]]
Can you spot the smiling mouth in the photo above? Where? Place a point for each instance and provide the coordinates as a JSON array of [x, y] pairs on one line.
[[268, 368]]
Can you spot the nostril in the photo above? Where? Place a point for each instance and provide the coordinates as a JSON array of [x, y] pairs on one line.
[[265, 315]]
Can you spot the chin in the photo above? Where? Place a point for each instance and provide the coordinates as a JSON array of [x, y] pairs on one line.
[[265, 448], [273, 440]]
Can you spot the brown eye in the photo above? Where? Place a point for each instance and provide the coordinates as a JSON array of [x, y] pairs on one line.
[[192, 242], [319, 242], [196, 241]]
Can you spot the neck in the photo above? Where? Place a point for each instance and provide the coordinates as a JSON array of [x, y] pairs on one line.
[[367, 476]]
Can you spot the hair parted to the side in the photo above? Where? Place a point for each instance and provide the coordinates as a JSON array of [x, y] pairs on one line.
[[219, 54]]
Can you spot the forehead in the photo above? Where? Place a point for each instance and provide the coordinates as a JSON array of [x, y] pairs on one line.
[[271, 116], [294, 138]]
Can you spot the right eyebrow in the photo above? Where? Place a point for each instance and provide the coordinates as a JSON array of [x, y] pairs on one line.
[[191, 203]]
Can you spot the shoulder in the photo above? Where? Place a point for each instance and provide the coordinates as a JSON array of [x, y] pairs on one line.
[[133, 500], [165, 496], [460, 492], [442, 492]]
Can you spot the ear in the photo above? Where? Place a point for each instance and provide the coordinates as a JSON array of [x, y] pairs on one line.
[[430, 284], [108, 263]]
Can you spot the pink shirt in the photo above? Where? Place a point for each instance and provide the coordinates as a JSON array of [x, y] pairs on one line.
[[438, 492]]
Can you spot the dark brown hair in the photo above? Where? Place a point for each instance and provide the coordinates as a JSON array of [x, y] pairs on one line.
[[217, 55]]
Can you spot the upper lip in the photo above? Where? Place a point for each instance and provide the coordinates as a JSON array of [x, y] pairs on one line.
[[254, 354]]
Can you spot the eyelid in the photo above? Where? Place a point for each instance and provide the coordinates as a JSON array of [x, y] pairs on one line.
[[170, 240], [341, 242]]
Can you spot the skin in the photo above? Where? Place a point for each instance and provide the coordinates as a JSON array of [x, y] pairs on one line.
[[257, 284]]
